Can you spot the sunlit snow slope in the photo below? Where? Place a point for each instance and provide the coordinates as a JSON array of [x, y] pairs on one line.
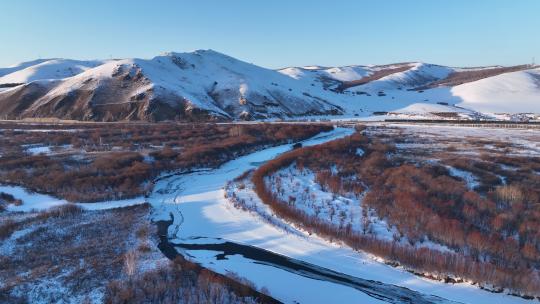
[[207, 85], [48, 69], [196, 85], [517, 92]]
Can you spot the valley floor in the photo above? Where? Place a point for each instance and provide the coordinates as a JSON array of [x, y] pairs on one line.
[[203, 217], [278, 257]]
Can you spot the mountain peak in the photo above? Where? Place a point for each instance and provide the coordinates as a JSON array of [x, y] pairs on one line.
[[200, 52]]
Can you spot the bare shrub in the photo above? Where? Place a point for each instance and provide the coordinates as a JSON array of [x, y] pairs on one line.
[[7, 227], [10, 199], [509, 194], [143, 232], [130, 262], [144, 247], [61, 211]]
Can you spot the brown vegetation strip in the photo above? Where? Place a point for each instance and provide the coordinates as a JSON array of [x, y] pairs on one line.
[[116, 162], [462, 77], [375, 76]]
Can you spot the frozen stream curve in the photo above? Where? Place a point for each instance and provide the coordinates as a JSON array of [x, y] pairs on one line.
[[296, 269]]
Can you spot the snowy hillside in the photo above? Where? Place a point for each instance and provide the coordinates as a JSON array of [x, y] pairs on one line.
[[20, 66], [326, 77], [170, 86], [417, 75], [48, 69], [346, 73], [236, 87], [401, 88], [374, 77], [208, 85], [517, 92], [435, 111]]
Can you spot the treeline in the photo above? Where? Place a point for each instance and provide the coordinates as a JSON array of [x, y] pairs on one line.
[[494, 236], [103, 163]]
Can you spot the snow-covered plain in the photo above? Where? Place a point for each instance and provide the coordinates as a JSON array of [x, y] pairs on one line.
[[524, 142], [203, 215]]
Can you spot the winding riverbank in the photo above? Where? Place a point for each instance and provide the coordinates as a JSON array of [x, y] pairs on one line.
[[204, 221]]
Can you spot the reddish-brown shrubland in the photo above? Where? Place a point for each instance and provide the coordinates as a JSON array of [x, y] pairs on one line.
[[493, 230], [116, 161]]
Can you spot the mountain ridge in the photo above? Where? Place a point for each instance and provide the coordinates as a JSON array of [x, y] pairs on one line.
[[208, 85]]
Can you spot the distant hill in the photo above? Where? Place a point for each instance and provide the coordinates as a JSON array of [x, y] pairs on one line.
[[207, 85]]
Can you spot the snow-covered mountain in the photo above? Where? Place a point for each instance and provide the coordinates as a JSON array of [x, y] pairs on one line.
[[45, 69], [326, 77], [196, 85], [371, 78], [416, 75], [205, 84], [428, 88]]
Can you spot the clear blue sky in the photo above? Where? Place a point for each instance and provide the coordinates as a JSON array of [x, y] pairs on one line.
[[276, 33]]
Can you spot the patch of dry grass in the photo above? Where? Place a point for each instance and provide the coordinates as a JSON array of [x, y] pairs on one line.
[[78, 250]]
